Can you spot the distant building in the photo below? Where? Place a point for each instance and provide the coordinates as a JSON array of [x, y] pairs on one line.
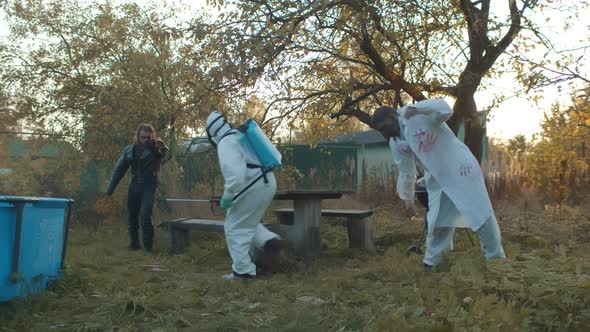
[[373, 156]]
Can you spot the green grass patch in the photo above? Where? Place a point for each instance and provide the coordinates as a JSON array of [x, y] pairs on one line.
[[544, 286]]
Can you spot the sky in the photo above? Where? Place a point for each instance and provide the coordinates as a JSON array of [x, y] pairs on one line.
[[516, 115]]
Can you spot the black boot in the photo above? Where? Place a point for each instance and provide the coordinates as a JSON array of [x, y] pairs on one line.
[[145, 218], [237, 276], [148, 236], [133, 205], [244, 275], [275, 247], [147, 246], [134, 239], [272, 258], [147, 242]]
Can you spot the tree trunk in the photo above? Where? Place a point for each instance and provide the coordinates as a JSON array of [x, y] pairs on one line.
[[465, 109]]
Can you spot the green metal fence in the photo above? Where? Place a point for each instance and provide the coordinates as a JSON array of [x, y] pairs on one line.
[[305, 167]]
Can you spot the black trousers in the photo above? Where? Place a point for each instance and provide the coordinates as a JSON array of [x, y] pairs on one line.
[[140, 205], [422, 196]]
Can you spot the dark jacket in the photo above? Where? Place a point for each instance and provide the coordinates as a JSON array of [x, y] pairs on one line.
[[145, 160]]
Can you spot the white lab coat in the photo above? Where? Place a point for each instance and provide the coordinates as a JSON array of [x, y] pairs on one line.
[[451, 169], [457, 196], [243, 230]]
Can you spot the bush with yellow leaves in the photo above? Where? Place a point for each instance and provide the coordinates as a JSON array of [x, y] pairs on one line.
[[558, 163]]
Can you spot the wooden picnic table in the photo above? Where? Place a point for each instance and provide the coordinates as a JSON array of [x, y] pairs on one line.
[[305, 232]]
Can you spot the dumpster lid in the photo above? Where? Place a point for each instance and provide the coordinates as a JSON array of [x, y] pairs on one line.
[[31, 199]]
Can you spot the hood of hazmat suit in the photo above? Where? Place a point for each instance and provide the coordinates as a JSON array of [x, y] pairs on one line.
[[239, 167], [217, 128]]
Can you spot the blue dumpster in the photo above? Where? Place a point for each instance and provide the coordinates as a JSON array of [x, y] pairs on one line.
[[33, 237]]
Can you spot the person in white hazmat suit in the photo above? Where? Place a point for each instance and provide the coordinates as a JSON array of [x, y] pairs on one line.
[[457, 196], [243, 231]]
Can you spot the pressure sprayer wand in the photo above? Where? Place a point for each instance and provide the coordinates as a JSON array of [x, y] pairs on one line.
[[262, 175], [189, 200]]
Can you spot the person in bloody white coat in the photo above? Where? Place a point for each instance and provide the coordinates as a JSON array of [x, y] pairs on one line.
[[457, 196]]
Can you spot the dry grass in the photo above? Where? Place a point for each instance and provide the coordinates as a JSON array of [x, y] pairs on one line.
[[544, 286]]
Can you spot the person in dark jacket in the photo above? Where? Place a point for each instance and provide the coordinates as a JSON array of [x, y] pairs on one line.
[[144, 157]]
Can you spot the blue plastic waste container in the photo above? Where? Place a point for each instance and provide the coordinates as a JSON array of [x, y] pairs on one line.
[[33, 238]]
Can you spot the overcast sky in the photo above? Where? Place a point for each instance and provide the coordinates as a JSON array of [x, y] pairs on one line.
[[517, 115]]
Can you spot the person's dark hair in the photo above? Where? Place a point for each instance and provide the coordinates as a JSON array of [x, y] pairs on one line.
[[144, 127], [382, 113]]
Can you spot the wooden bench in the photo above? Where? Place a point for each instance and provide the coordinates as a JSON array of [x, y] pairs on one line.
[[174, 235], [360, 234]]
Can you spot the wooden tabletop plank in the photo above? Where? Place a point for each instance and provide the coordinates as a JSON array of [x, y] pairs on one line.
[[315, 194], [331, 212]]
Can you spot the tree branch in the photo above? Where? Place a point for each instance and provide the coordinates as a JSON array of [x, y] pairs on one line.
[[357, 113], [379, 65]]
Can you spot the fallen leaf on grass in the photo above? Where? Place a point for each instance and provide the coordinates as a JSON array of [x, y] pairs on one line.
[[57, 326], [311, 300], [97, 294], [254, 306]]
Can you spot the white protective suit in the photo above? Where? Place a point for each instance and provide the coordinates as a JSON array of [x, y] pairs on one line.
[[243, 230], [457, 196]]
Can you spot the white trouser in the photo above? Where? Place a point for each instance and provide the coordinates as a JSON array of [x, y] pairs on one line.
[[243, 230], [440, 239]]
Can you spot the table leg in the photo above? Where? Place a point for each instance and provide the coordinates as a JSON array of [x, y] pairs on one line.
[[306, 226]]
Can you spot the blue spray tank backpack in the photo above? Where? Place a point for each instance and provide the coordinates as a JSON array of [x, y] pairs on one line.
[[268, 155]]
